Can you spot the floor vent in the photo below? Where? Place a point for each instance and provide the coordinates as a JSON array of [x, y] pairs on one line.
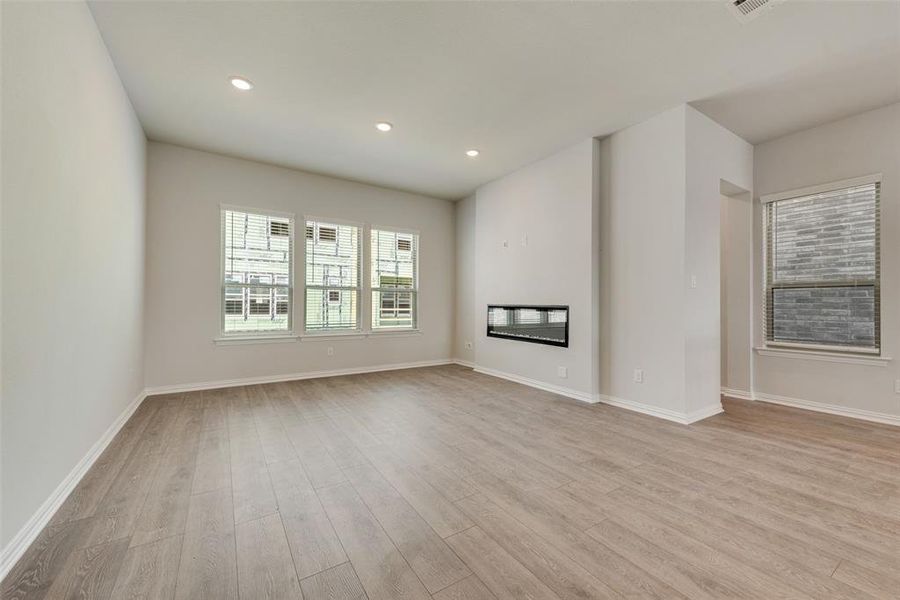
[[747, 10]]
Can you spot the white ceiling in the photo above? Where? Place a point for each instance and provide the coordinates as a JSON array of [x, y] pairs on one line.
[[517, 80]]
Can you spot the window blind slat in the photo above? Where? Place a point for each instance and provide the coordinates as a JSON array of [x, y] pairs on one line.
[[394, 279], [257, 254], [823, 268], [332, 276]]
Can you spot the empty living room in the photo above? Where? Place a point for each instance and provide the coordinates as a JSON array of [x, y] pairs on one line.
[[482, 300]]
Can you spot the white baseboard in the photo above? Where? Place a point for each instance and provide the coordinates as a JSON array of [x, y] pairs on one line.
[[464, 363], [739, 394], [663, 413], [547, 387], [29, 532], [223, 383], [704, 413], [831, 409]]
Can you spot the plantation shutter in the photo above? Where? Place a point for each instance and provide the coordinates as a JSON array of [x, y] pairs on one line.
[[394, 279], [823, 269], [332, 276], [257, 273]]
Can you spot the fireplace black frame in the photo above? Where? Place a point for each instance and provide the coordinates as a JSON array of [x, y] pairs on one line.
[[562, 344]]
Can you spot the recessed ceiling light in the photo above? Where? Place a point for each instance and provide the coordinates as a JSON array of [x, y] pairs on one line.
[[241, 83], [472, 153], [383, 126]]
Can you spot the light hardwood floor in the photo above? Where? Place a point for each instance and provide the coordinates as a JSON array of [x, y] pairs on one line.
[[448, 484]]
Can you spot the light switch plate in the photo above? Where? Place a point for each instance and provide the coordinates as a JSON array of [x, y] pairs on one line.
[[562, 372], [639, 376]]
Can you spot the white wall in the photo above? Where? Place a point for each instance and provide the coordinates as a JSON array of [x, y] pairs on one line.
[[465, 281], [545, 213], [72, 250], [737, 292], [660, 215], [714, 155], [860, 145], [642, 177], [185, 190]]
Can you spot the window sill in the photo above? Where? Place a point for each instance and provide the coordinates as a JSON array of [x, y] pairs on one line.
[[395, 332], [358, 335], [850, 359], [332, 335], [238, 340]]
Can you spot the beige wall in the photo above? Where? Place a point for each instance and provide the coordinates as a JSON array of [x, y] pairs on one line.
[[185, 191], [73, 250], [465, 282], [860, 145]]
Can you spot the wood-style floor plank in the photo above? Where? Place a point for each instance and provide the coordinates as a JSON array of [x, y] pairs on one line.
[[441, 482], [469, 588], [213, 465], [432, 560], [314, 544], [565, 577], [208, 563], [90, 573], [506, 577], [149, 571], [45, 559], [381, 569], [336, 583], [265, 568]]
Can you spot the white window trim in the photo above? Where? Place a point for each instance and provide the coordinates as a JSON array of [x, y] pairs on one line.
[[364, 327], [806, 353], [360, 281], [368, 283], [844, 354], [388, 333], [249, 336], [262, 338], [821, 188]]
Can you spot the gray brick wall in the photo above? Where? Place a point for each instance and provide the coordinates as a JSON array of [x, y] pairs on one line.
[[843, 316], [829, 237]]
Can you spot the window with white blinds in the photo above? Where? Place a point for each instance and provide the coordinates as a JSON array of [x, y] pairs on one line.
[[332, 276], [257, 272], [394, 279], [823, 268]]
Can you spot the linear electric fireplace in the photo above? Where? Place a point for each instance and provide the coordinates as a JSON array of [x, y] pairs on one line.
[[527, 323]]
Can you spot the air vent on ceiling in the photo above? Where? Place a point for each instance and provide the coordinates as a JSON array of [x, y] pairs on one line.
[[747, 10]]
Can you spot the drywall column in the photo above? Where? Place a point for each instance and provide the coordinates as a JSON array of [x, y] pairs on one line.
[[660, 292], [713, 155], [642, 239]]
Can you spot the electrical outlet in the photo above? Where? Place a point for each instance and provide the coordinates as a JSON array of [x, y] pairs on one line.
[[468, 345], [639, 376], [330, 350], [506, 243], [693, 281], [897, 386], [524, 240], [562, 372]]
